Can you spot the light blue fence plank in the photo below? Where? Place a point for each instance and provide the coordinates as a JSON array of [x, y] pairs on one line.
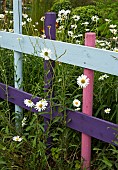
[[87, 57]]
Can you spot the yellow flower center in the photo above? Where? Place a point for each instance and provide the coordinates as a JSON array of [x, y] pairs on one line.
[[83, 81], [29, 101], [40, 105], [17, 139], [76, 103], [46, 53]]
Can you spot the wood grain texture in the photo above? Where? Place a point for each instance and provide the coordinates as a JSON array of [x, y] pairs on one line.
[[87, 106], [18, 58], [92, 126], [87, 57]]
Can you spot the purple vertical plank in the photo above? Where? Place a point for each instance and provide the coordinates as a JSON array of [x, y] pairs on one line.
[[87, 105], [50, 32]]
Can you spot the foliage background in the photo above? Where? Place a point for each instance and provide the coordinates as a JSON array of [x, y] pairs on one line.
[[31, 153]]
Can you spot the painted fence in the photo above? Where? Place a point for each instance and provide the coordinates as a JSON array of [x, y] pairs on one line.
[[89, 58]]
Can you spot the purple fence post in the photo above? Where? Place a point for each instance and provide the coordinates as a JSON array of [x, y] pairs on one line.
[[87, 106], [50, 32]]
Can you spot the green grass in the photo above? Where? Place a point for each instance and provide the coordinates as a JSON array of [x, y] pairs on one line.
[[65, 153]]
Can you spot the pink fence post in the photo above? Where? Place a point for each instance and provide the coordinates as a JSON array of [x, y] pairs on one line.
[[87, 106]]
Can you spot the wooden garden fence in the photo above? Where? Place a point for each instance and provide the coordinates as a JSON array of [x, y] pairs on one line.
[[87, 56]]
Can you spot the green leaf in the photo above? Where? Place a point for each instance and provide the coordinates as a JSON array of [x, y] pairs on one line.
[[34, 142], [2, 162], [107, 162]]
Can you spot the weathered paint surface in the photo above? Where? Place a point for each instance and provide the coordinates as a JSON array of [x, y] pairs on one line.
[[18, 77], [78, 121], [50, 32], [87, 106], [87, 57]]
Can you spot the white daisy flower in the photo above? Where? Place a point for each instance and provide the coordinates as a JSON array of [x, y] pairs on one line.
[[17, 138], [107, 20], [36, 30], [23, 23], [67, 12], [79, 35], [87, 30], [74, 26], [25, 15], [115, 38], [28, 103], [95, 18], [107, 110], [44, 102], [6, 12], [114, 31], [61, 27], [70, 33], [29, 20], [42, 18], [61, 13], [46, 53], [101, 78], [43, 36], [11, 30], [83, 81], [11, 12], [85, 23], [41, 105], [112, 26], [105, 76], [76, 103], [1, 16], [76, 17]]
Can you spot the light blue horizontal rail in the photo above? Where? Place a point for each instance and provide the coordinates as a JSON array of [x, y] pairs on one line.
[[88, 57]]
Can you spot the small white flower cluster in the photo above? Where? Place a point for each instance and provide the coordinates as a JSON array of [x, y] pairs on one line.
[[17, 138], [63, 14], [76, 103], [24, 121], [39, 106], [46, 53], [103, 44], [105, 76], [112, 29], [26, 19], [8, 12], [107, 110]]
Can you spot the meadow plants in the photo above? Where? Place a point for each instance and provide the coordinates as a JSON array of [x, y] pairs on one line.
[[28, 148]]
